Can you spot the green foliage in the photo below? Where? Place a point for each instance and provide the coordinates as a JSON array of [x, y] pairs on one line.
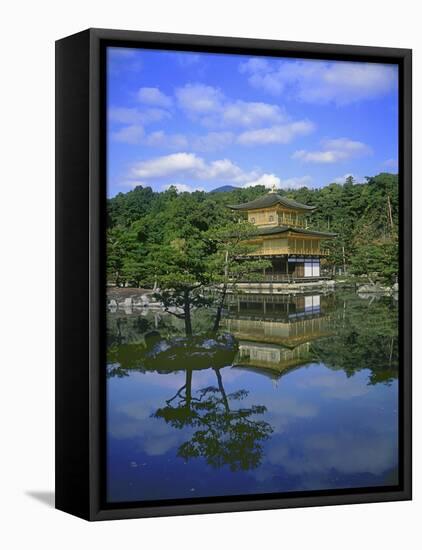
[[229, 260], [222, 434], [170, 237], [179, 270], [376, 259], [365, 338], [365, 218]]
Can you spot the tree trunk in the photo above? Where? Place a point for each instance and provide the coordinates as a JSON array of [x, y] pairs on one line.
[[217, 319], [188, 321], [390, 213], [222, 390], [391, 350], [188, 386], [344, 260], [223, 294]]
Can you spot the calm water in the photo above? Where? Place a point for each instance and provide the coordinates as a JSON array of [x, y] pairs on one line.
[[296, 393]]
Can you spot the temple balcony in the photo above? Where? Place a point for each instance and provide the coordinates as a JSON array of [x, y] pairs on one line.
[[291, 278], [280, 251]]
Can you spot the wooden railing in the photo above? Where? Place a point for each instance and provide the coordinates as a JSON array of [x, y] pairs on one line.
[[294, 222], [290, 278], [290, 251]]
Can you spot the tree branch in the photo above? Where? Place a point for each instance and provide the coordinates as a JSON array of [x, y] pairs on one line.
[[178, 315]]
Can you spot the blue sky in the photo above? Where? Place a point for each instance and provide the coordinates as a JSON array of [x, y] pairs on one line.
[[199, 121]]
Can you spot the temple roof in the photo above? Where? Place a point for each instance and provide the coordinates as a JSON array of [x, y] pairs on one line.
[[285, 228], [271, 199], [274, 372]]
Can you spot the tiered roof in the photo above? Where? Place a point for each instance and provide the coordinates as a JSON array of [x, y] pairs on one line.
[[271, 199], [284, 228]]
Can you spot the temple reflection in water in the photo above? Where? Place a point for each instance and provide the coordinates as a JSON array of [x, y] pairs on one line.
[[198, 417], [275, 332]]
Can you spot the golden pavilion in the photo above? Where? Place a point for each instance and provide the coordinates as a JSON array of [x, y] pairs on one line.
[[283, 237], [275, 332]]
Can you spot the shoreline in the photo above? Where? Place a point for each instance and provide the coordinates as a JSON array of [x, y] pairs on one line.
[[131, 298]]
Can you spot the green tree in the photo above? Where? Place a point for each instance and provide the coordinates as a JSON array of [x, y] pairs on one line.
[[115, 253], [181, 274], [223, 434], [362, 215], [365, 338], [377, 259], [230, 262]]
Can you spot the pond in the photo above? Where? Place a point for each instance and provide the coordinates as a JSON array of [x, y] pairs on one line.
[[295, 393]]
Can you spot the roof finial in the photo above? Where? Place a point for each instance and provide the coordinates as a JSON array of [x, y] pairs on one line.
[[273, 188]]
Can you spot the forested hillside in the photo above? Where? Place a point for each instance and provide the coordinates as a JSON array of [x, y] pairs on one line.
[[142, 224]]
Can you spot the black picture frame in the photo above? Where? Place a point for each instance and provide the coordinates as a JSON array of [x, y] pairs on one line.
[[80, 273]]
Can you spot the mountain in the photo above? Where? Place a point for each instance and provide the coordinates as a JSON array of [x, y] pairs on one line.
[[224, 189]]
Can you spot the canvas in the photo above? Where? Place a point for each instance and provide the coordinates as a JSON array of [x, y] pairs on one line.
[[245, 288]]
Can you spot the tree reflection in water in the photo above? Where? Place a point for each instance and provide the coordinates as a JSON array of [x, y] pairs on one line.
[[224, 435], [337, 429]]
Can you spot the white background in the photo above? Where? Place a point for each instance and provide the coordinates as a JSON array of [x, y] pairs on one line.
[[28, 32]]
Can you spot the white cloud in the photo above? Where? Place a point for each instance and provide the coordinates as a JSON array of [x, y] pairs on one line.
[[128, 127], [121, 53], [212, 109], [131, 183], [269, 180], [245, 123], [392, 164], [134, 420], [154, 96], [296, 182], [129, 134], [187, 59], [167, 141], [154, 115], [255, 65], [182, 187], [123, 60], [263, 75], [129, 115], [199, 99], [345, 452], [318, 156], [316, 81], [342, 179], [224, 169], [193, 166], [334, 150], [247, 114], [283, 133], [167, 165], [212, 141], [135, 134], [348, 145], [124, 115]]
